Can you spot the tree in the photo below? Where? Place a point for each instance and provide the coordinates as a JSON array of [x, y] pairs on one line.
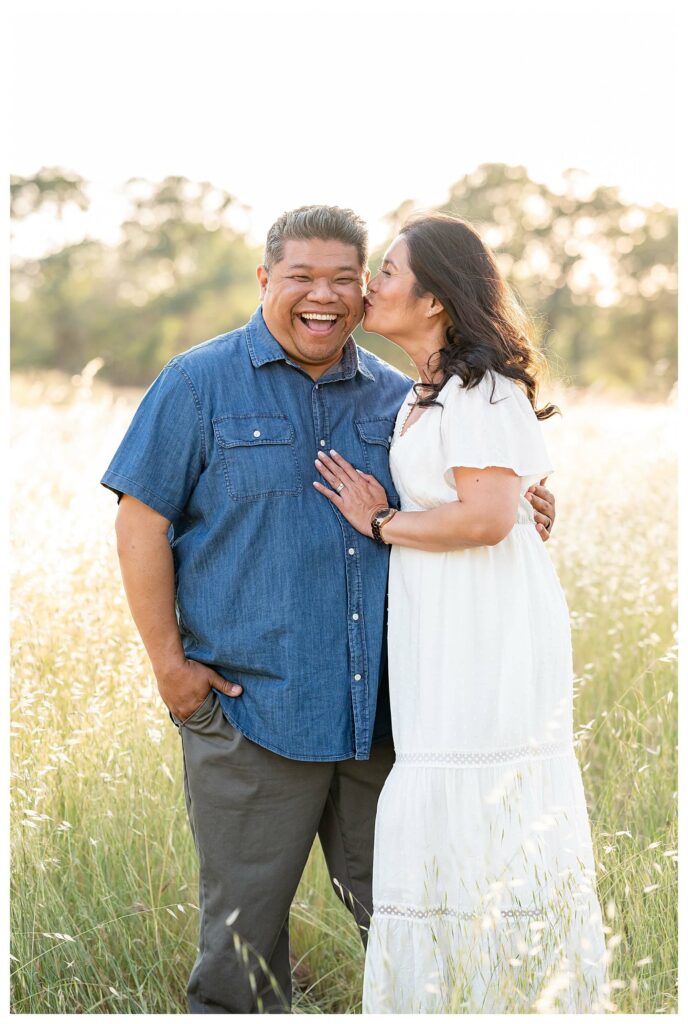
[[51, 187], [180, 273]]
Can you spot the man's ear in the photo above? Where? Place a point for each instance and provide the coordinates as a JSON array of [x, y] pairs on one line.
[[366, 275], [262, 275]]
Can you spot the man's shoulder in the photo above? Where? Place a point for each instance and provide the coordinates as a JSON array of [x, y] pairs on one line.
[[208, 354], [383, 371]]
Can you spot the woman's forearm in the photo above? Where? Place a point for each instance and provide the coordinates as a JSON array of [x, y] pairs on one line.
[[450, 527]]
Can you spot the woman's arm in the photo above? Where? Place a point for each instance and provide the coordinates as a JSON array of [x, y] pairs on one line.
[[484, 514]]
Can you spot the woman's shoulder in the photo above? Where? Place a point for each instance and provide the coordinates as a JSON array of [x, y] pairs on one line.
[[492, 388]]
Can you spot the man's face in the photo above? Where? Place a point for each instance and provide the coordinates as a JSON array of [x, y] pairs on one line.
[[312, 300]]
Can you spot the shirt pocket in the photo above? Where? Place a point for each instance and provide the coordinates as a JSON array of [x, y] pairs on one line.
[[376, 438], [258, 455]]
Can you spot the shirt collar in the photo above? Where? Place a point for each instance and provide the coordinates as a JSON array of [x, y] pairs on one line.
[[264, 348]]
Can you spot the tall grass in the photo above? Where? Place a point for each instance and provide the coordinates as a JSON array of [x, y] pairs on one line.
[[104, 907]]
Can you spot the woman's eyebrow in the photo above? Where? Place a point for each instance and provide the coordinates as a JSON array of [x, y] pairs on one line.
[[391, 263]]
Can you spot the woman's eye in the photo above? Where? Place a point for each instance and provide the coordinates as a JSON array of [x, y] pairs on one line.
[[386, 273]]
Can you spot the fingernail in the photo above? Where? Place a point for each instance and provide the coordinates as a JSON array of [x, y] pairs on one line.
[[235, 690], [332, 451]]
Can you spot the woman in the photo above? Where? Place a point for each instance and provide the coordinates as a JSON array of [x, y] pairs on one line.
[[483, 884]]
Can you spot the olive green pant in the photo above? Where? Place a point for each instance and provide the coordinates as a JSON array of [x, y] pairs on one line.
[[254, 816]]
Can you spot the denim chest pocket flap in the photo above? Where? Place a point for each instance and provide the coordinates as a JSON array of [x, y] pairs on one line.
[[377, 431], [376, 435], [258, 455]]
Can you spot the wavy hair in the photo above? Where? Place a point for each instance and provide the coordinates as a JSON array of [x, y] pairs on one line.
[[488, 330]]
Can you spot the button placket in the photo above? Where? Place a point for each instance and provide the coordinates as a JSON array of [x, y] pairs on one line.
[[321, 429], [355, 630], [357, 650]]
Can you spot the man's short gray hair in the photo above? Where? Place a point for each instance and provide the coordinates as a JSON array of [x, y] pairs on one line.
[[324, 222]]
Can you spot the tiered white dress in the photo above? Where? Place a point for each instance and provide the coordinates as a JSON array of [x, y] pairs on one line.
[[484, 881]]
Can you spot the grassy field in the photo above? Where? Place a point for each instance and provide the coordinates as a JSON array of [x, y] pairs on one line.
[[103, 868]]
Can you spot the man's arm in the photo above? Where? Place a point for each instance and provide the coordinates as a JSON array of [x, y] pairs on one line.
[[147, 566]]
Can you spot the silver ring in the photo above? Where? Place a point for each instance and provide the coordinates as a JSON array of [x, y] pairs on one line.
[[340, 488]]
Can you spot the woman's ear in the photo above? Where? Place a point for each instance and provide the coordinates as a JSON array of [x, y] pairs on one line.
[[435, 307]]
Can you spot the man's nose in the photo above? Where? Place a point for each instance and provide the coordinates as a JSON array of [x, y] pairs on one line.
[[322, 291]]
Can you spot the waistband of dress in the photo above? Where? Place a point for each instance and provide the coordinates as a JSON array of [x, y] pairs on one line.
[[478, 758]]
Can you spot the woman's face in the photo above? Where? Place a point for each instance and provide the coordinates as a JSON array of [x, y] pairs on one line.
[[391, 305]]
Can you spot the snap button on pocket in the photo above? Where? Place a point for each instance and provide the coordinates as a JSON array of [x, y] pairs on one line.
[[258, 454]]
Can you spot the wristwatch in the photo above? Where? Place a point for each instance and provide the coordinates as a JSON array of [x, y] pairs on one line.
[[379, 520]]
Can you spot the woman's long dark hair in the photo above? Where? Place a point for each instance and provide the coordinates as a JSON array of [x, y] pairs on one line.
[[488, 329]]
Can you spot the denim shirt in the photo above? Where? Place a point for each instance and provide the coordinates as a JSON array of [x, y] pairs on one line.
[[274, 589]]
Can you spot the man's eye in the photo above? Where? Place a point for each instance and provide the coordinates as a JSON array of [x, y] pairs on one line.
[[345, 280], [299, 277]]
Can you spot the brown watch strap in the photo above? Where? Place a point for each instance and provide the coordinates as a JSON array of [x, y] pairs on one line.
[[379, 520]]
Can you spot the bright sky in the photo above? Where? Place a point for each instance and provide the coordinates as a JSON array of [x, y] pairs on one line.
[[356, 102]]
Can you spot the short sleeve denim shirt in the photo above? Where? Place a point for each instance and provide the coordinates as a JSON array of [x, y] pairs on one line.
[[274, 589]]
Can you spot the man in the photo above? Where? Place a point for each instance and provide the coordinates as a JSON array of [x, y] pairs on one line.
[[261, 609]]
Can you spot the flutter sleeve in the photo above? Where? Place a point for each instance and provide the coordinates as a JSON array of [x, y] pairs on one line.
[[485, 426]]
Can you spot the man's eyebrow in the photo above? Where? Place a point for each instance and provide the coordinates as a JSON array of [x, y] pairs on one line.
[[307, 266]]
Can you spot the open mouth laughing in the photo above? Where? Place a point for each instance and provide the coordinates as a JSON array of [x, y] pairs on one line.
[[321, 324]]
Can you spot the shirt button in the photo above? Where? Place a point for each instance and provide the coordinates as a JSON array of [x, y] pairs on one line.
[[389, 438], [256, 433], [322, 443], [352, 551], [357, 677], [355, 616]]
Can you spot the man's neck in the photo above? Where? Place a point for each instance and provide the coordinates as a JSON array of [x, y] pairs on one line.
[[316, 372]]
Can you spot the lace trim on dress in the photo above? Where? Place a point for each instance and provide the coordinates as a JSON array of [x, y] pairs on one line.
[[422, 914], [485, 757]]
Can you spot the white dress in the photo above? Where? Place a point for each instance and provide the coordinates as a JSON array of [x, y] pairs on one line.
[[484, 882]]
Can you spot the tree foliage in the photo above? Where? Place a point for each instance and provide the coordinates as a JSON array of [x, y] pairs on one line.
[[51, 186], [597, 274]]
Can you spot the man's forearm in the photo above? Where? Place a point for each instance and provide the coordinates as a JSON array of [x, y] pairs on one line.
[[147, 566], [148, 573]]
